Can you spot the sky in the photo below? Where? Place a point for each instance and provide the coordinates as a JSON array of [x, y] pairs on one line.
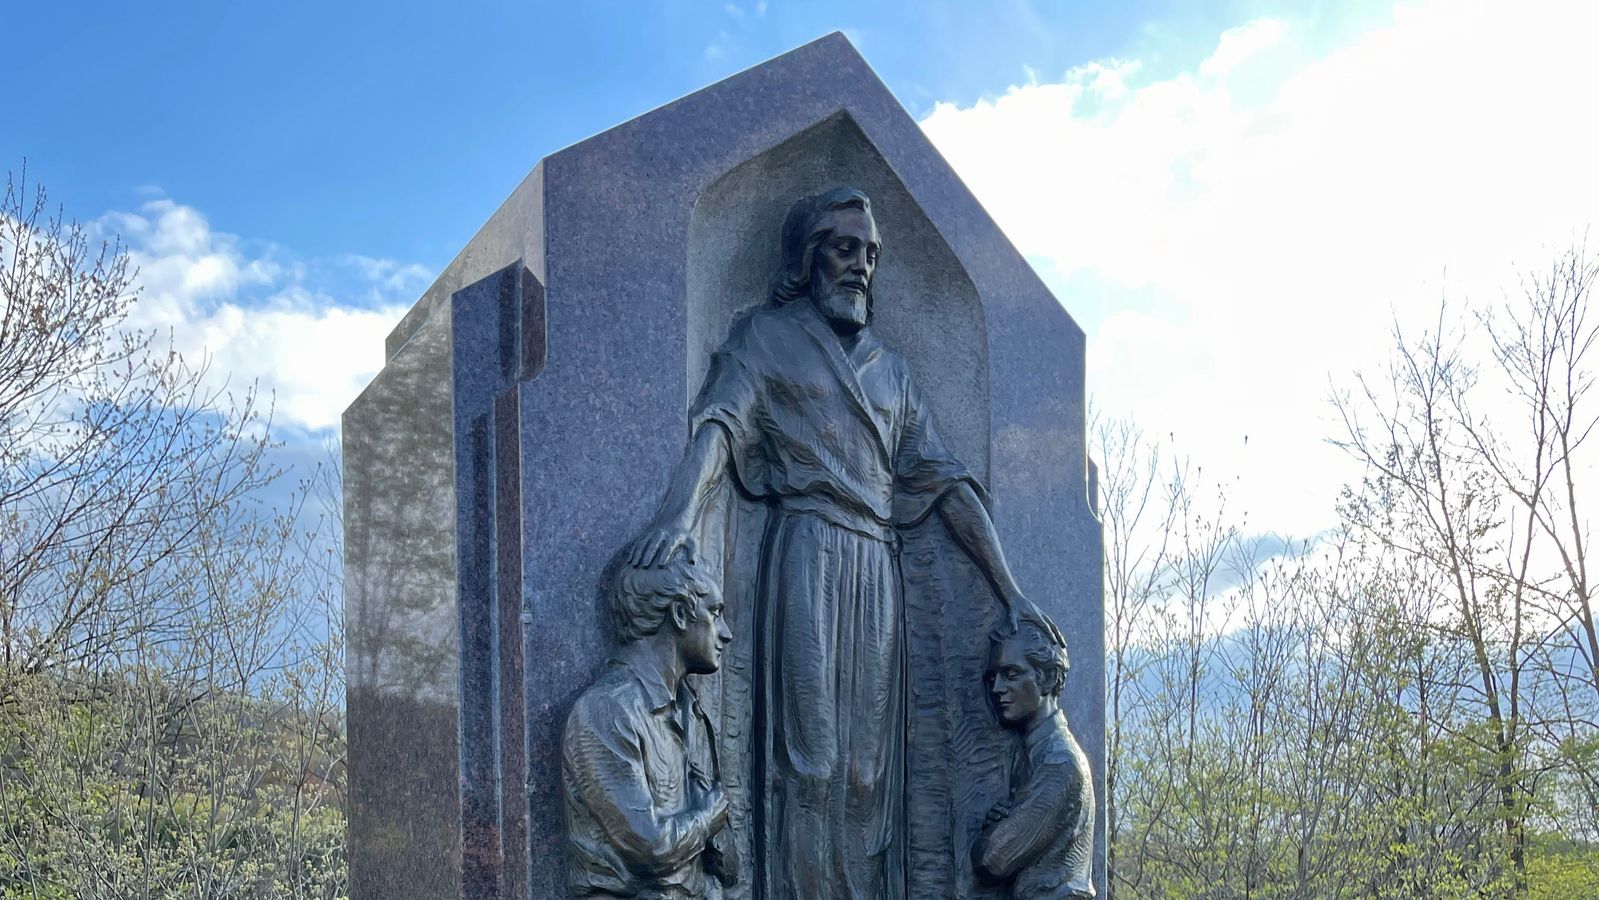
[[1237, 201]]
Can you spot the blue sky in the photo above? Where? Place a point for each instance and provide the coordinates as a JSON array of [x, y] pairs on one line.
[[393, 129], [1236, 200]]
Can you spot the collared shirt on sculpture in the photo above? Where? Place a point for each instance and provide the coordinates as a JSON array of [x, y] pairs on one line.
[[638, 756]]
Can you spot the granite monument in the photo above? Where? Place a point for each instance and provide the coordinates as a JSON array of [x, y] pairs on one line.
[[614, 335]]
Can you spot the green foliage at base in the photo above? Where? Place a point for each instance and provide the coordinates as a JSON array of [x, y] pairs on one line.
[[121, 787]]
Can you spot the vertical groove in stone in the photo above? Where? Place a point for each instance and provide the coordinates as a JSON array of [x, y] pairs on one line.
[[532, 328], [512, 753], [480, 839]]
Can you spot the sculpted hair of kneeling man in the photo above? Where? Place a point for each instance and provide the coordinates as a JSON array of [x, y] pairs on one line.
[[643, 794]]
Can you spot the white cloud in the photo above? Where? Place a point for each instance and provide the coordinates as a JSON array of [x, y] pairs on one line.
[[1235, 236], [718, 46], [391, 275], [1239, 45], [314, 355], [257, 320], [178, 256]]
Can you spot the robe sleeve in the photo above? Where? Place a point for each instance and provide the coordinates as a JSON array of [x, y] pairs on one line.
[[924, 470], [731, 400]]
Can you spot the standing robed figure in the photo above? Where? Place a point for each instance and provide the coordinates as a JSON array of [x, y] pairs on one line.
[[806, 411]]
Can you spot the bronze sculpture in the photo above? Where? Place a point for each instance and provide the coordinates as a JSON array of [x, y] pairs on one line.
[[1040, 838], [804, 409], [643, 795]]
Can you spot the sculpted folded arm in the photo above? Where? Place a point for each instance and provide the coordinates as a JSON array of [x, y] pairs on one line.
[[604, 758], [1045, 808]]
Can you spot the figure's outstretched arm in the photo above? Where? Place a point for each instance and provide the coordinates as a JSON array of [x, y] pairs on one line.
[[696, 481], [968, 521], [973, 530]]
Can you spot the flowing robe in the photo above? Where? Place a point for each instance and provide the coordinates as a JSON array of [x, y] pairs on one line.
[[839, 444]]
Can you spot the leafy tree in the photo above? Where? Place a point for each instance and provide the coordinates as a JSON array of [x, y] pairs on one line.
[[1406, 706], [171, 704]]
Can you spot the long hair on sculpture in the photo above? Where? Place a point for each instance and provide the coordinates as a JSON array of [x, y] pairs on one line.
[[803, 233]]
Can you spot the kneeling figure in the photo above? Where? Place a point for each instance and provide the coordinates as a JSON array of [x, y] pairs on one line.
[[1041, 837], [644, 802]]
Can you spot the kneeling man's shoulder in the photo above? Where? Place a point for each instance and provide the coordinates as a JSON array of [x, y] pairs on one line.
[[608, 703]]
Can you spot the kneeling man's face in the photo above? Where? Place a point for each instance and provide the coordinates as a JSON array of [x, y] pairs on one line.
[[1013, 682], [705, 635]]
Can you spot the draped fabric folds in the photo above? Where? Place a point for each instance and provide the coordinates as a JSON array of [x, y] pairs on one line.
[[836, 441]]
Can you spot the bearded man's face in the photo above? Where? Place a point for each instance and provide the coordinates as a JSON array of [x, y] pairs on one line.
[[842, 267]]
